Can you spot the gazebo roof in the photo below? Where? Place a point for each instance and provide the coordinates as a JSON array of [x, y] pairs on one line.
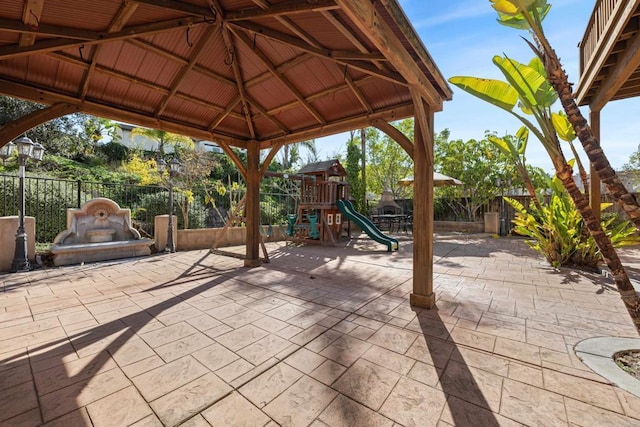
[[232, 71]]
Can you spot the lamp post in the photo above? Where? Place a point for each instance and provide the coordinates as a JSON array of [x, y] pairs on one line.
[[5, 151], [174, 171], [27, 149]]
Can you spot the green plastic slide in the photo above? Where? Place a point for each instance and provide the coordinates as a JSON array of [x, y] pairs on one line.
[[349, 212]]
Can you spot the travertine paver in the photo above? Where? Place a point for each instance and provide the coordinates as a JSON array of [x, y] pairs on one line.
[[321, 337]]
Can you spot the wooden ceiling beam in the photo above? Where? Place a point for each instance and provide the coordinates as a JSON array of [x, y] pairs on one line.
[[139, 118], [389, 114], [31, 13], [138, 81], [275, 122], [364, 15], [281, 78], [117, 23], [327, 92], [224, 115], [281, 9], [282, 68], [226, 35], [198, 50], [628, 62], [363, 66], [334, 19], [181, 7], [41, 29], [357, 92], [51, 45], [145, 45]]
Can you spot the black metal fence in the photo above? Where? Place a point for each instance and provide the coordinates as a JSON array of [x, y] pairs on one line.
[[47, 199]]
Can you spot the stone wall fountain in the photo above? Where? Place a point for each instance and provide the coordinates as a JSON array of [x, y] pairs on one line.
[[98, 231]]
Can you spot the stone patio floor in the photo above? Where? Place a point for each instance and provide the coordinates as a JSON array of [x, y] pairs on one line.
[[321, 336]]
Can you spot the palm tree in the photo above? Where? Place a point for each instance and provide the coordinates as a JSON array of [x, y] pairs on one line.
[[163, 138], [528, 88], [528, 15], [291, 152]]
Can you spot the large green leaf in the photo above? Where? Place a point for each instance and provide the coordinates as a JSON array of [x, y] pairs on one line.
[[563, 128], [510, 12], [495, 92], [522, 136], [529, 83], [503, 145]]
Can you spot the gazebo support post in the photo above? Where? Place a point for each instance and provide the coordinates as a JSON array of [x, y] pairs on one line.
[[422, 295], [252, 209]]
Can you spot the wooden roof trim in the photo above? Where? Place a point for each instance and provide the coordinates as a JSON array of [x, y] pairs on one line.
[[280, 9], [627, 64], [396, 12], [365, 67], [198, 50], [267, 63], [364, 16], [51, 45], [48, 97], [31, 14], [226, 35], [345, 125]]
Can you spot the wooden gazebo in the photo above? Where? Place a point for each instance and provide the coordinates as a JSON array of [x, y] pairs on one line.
[[248, 74], [609, 63]]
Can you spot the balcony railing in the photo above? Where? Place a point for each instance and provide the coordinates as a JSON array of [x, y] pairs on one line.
[[604, 16]]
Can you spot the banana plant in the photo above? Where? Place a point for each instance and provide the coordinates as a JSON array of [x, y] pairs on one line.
[[516, 152], [566, 133], [528, 15]]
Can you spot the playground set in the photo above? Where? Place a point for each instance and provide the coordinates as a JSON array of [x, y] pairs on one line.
[[324, 213]]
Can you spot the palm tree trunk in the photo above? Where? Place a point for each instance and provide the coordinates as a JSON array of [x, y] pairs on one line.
[[625, 288], [599, 161]]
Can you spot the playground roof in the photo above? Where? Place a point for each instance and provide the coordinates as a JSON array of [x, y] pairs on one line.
[[232, 71], [329, 167]]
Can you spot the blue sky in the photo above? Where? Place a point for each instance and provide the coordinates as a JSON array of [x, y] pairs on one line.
[[462, 36]]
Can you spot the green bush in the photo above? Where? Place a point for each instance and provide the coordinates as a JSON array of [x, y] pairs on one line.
[[153, 204], [556, 231], [47, 202]]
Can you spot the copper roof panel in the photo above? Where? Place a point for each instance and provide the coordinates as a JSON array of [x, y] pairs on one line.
[[272, 94], [349, 106], [88, 15], [316, 75]]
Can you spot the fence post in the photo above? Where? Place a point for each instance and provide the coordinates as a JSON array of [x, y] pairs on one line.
[[78, 193]]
